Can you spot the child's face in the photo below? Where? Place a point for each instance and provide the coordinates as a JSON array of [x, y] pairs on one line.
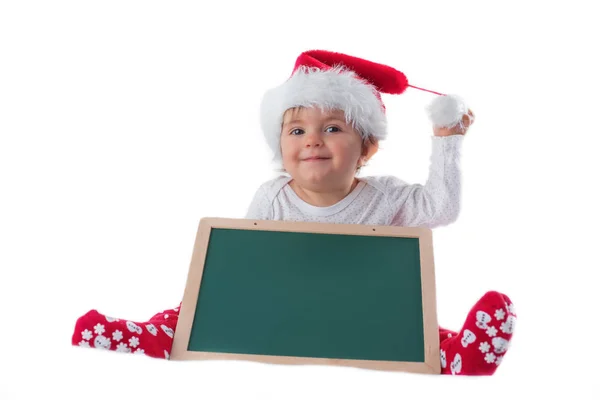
[[320, 150]]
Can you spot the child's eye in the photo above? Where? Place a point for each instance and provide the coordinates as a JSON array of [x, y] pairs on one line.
[[331, 129], [296, 131]]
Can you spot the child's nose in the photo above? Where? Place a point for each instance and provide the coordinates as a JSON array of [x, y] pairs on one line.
[[313, 138]]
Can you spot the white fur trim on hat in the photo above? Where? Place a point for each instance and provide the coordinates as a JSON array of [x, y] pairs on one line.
[[335, 88]]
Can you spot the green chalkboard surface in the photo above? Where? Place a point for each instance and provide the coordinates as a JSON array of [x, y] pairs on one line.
[[283, 291]]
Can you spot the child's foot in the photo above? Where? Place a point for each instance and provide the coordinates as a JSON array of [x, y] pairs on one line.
[[482, 342], [153, 338]]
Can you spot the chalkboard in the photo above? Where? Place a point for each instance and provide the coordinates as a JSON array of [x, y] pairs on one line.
[[310, 293]]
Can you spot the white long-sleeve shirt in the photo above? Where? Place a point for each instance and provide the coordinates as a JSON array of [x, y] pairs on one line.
[[376, 200]]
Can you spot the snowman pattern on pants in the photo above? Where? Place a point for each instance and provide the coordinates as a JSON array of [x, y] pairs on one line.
[[491, 346], [105, 337]]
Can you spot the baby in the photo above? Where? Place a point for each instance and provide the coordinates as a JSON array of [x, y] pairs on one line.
[[323, 125]]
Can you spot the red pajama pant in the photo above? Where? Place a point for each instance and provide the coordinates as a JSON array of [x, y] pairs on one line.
[[477, 349]]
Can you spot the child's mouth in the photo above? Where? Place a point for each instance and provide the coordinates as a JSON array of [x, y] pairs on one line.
[[316, 159]]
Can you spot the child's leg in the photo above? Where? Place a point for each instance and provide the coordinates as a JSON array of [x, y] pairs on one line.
[[482, 342], [477, 349], [153, 338]]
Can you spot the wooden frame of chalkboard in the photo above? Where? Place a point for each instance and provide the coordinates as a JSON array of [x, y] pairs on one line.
[[428, 327]]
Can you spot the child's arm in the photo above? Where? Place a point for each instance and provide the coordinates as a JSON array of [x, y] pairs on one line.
[[437, 202]]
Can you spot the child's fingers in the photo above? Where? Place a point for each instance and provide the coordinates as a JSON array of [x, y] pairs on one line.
[[467, 120]]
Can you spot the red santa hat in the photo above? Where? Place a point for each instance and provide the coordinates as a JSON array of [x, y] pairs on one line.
[[331, 80]]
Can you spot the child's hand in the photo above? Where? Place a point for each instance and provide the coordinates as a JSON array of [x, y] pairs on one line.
[[459, 129]]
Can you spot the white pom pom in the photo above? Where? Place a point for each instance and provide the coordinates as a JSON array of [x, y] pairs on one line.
[[447, 111]]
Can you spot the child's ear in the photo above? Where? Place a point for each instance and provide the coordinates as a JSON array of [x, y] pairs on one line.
[[369, 150]]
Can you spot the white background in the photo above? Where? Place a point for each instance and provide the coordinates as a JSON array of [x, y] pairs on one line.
[[123, 123]]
